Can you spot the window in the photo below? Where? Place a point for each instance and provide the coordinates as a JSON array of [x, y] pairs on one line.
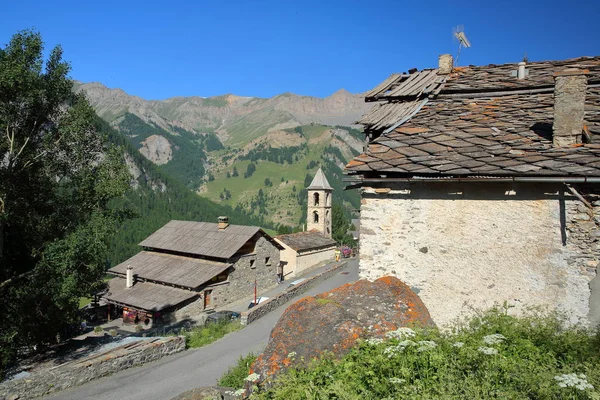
[[251, 263], [316, 199], [327, 199], [315, 217], [267, 259]]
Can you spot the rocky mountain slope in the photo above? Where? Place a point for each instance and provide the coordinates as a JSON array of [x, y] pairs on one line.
[[234, 119], [253, 153]]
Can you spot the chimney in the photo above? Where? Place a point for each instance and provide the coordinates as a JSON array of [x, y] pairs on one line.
[[223, 222], [129, 282], [521, 70], [445, 64], [569, 103]]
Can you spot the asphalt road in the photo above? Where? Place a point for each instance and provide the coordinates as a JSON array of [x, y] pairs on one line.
[[170, 376]]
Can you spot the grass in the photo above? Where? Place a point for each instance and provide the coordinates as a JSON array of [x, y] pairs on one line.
[[492, 356], [235, 376], [281, 196], [204, 335]]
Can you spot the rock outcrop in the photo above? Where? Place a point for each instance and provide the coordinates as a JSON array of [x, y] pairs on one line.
[[157, 149], [333, 322]]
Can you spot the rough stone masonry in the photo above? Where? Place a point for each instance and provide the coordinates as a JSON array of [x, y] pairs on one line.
[[463, 247]]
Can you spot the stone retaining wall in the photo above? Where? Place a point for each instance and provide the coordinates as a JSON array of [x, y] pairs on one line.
[[263, 309], [93, 367]]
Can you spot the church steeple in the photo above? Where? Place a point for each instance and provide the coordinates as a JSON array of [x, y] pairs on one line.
[[318, 215]]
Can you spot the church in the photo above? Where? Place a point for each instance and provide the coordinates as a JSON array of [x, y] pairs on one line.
[[304, 250]]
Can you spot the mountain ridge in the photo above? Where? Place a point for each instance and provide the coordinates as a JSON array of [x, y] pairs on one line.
[[235, 119]]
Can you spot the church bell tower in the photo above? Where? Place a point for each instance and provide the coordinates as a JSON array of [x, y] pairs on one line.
[[319, 205]]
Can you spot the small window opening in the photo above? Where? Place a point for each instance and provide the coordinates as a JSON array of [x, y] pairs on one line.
[[315, 217], [267, 259], [251, 263], [316, 198]]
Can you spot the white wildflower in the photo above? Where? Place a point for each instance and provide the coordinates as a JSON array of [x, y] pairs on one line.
[[397, 380], [425, 345], [572, 380], [292, 354], [239, 392], [253, 377], [374, 341], [458, 344], [393, 350], [400, 333], [488, 350], [494, 339]]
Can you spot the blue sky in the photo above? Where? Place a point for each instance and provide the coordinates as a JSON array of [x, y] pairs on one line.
[[161, 49]]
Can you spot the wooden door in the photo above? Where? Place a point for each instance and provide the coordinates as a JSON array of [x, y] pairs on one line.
[[207, 299]]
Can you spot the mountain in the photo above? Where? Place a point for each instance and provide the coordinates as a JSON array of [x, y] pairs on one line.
[[235, 119], [251, 154], [154, 198]]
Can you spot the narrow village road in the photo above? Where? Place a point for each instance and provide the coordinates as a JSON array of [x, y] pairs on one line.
[[178, 373]]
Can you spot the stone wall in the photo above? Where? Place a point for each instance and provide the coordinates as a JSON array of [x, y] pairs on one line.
[[93, 367], [463, 246], [263, 309], [309, 259], [241, 280]]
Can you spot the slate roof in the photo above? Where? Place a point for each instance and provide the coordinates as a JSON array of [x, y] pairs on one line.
[[484, 121], [201, 238], [303, 241], [146, 296], [320, 181], [171, 269]]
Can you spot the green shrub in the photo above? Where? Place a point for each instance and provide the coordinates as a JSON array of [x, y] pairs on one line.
[[236, 375], [493, 356], [203, 335], [98, 329]]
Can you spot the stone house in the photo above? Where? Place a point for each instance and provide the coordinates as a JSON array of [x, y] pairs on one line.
[[186, 268], [480, 186], [304, 250]]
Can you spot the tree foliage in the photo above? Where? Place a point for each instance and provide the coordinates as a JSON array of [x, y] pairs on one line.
[[58, 179], [340, 225]]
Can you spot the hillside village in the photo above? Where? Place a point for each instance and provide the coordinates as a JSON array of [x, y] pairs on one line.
[[338, 247]]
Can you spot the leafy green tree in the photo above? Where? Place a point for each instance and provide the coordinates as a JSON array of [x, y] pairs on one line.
[[340, 225], [235, 172], [58, 179]]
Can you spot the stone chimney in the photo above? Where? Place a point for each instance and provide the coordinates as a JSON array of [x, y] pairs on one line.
[[445, 64], [521, 70], [569, 102], [129, 279], [223, 222]]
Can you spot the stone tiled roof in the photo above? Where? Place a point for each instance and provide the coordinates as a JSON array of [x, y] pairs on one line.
[[320, 181], [200, 238], [485, 122], [145, 295], [303, 241], [171, 269]]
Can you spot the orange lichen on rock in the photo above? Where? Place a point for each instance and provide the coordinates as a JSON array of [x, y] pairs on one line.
[[310, 328]]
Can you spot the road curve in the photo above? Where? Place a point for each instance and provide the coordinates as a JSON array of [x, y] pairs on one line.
[[166, 378]]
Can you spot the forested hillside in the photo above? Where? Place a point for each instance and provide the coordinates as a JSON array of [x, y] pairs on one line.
[[245, 153], [154, 198]]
